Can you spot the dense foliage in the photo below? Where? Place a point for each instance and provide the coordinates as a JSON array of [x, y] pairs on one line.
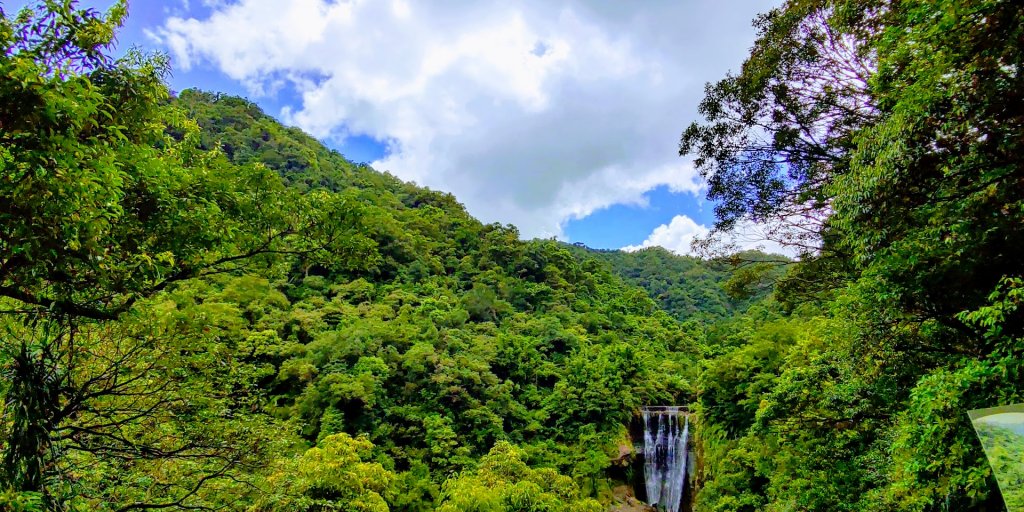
[[691, 288], [889, 133]]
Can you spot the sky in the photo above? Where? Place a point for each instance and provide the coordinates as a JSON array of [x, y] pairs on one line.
[[561, 117]]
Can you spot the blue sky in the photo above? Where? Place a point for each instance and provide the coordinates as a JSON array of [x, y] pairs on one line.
[[561, 117], [625, 225]]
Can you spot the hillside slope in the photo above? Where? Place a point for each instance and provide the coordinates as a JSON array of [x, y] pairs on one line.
[[448, 337], [691, 288]]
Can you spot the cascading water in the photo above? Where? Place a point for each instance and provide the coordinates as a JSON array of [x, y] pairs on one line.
[[665, 456]]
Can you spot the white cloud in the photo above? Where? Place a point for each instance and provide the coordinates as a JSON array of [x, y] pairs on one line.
[[531, 112], [679, 234], [676, 236]]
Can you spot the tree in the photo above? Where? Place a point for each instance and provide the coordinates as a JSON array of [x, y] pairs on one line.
[[505, 483], [898, 124], [334, 475], [779, 132], [932, 203], [105, 199]]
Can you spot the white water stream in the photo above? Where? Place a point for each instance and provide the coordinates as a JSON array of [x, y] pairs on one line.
[[665, 456]]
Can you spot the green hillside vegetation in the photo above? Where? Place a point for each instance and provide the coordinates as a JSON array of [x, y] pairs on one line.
[[891, 132], [691, 288], [201, 309], [1005, 450], [205, 309]]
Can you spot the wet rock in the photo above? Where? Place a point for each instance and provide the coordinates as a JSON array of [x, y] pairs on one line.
[[626, 453], [625, 501]]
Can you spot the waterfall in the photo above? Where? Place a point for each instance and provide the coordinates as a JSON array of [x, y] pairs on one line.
[[665, 456]]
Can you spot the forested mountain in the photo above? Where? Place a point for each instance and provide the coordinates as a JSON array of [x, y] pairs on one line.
[[691, 288], [201, 309]]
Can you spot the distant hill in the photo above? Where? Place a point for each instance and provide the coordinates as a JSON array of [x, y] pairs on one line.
[[685, 286]]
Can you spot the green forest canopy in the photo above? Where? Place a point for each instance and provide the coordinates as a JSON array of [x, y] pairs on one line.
[[203, 309]]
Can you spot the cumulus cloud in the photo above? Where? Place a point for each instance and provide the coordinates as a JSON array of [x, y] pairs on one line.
[[679, 235], [676, 236], [532, 112]]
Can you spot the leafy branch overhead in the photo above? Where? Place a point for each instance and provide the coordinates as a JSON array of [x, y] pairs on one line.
[[122, 202]]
